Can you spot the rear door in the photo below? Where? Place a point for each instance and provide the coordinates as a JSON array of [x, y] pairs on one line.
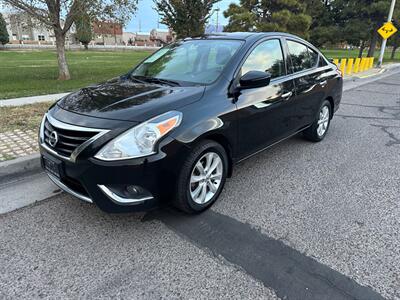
[[309, 75], [265, 114]]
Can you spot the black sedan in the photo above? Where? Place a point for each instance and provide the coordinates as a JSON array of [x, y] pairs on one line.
[[172, 129]]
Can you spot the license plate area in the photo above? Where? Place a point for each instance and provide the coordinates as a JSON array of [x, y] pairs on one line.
[[53, 166]]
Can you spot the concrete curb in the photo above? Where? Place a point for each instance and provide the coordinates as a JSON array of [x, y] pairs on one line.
[[19, 166]]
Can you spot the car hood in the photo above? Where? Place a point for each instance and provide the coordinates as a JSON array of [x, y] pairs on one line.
[[126, 100]]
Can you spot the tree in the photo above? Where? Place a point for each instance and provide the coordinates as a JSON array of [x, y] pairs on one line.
[[84, 31], [185, 17], [360, 20], [395, 43], [4, 38], [271, 15], [61, 14], [323, 29]]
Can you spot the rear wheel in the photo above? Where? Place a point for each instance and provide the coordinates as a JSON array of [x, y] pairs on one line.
[[317, 131], [202, 177]]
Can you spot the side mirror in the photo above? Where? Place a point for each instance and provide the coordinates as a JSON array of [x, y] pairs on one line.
[[254, 79]]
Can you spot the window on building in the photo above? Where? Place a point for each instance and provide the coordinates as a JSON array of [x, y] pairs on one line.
[[41, 38], [14, 37], [25, 37]]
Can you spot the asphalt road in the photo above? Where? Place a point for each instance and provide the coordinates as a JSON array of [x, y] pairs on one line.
[[298, 221]]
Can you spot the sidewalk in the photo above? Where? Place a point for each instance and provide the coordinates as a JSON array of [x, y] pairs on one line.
[[30, 100], [17, 143], [372, 72]]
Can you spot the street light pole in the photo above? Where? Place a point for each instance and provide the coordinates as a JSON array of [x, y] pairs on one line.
[[217, 10], [390, 17]]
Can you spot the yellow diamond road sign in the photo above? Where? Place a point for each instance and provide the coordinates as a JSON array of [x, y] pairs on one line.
[[387, 30]]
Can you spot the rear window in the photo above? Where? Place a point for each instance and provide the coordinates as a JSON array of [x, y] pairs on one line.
[[299, 56], [313, 58]]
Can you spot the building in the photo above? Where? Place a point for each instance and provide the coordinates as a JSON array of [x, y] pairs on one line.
[[162, 36], [143, 39], [23, 29], [107, 33], [129, 38]]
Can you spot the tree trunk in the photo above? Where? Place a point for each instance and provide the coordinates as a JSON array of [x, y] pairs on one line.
[[63, 71], [394, 52], [372, 47], [86, 46], [362, 47]]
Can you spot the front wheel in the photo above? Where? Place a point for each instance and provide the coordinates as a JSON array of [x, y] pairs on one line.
[[202, 177], [317, 131]]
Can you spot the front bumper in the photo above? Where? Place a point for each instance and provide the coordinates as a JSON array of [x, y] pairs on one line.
[[97, 182]]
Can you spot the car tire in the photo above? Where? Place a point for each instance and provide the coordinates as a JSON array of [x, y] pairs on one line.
[[193, 184], [319, 128]]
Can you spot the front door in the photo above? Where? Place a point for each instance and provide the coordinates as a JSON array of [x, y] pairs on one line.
[[265, 114]]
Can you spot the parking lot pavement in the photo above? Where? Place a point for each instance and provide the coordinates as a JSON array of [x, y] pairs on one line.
[[298, 221], [66, 249]]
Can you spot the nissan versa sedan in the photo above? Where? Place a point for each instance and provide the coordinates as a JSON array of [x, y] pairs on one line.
[[172, 129]]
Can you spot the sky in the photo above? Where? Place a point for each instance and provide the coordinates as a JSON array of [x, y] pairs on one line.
[[147, 17]]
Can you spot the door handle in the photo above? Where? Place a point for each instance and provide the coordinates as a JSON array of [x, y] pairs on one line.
[[286, 96], [323, 83]]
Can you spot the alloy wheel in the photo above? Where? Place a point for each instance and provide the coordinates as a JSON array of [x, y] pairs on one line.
[[323, 121], [206, 177]]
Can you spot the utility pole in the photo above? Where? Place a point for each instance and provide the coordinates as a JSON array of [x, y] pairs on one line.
[[390, 17], [217, 10]]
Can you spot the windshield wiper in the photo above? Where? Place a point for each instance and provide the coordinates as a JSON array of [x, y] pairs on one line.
[[135, 78], [155, 80]]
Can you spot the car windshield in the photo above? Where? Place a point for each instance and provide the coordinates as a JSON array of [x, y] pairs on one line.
[[193, 61]]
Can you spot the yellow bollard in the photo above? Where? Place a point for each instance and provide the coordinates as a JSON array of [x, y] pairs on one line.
[[336, 62], [369, 63], [357, 65], [343, 65], [362, 65], [349, 68], [372, 62]]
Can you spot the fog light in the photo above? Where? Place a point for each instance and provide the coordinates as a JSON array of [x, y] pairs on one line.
[[126, 194], [134, 190]]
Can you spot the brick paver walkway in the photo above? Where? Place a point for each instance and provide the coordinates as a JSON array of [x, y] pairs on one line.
[[17, 143]]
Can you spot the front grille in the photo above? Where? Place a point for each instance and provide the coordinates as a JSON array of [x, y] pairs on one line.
[[68, 140]]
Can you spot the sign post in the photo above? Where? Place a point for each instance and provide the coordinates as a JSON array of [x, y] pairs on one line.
[[386, 31]]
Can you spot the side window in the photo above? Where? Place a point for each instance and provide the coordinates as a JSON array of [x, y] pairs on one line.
[[322, 62], [313, 57], [299, 55], [266, 57]]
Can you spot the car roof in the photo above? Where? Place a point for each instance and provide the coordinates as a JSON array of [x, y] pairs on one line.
[[242, 35]]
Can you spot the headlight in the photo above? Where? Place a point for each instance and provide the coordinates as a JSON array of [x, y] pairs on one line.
[[140, 140]]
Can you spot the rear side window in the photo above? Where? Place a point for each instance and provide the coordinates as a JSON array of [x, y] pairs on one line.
[[266, 57], [322, 62], [299, 55], [313, 57]]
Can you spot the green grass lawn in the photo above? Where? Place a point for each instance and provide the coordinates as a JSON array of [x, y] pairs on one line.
[[31, 73], [354, 53]]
